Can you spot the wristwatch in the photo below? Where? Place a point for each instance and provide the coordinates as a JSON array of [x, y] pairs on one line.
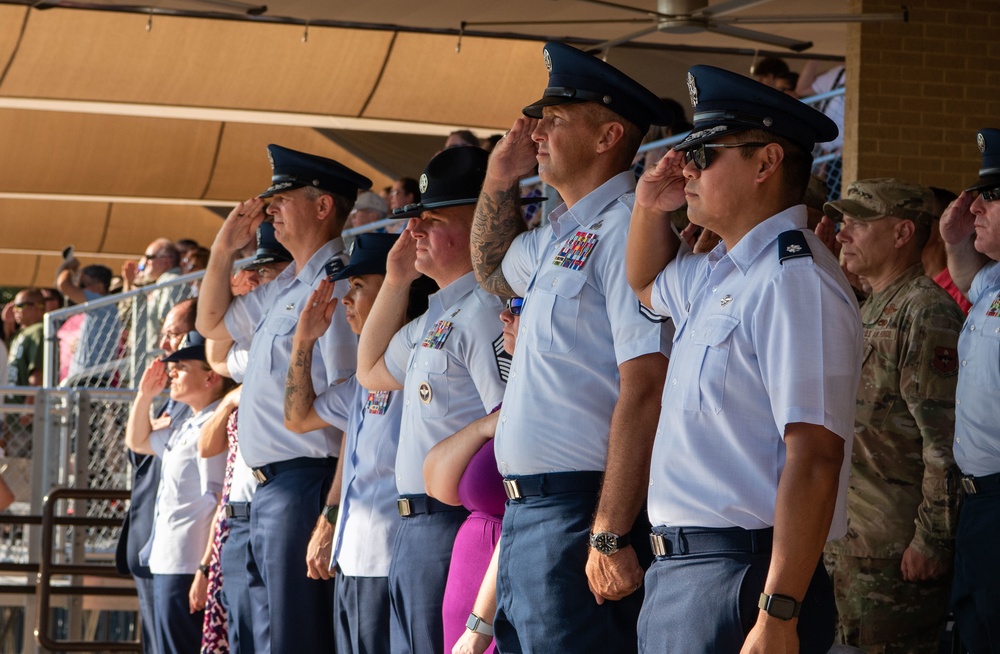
[[476, 624], [782, 607], [203, 569], [330, 513], [608, 543]]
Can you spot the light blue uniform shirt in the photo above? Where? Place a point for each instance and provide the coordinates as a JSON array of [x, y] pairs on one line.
[[759, 344], [187, 498], [368, 519], [580, 321], [243, 484], [264, 320], [977, 428], [448, 363]]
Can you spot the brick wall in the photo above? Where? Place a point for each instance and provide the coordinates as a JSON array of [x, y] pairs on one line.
[[917, 92]]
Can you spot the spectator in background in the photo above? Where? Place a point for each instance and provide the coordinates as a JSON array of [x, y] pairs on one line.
[[770, 71], [935, 257], [369, 208], [405, 191], [811, 83], [24, 367], [160, 263], [680, 125], [185, 245], [194, 260], [53, 299], [100, 331], [461, 137], [788, 82]]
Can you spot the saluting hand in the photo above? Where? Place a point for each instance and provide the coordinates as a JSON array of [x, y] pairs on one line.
[[957, 221], [661, 188], [400, 264], [513, 157], [240, 227], [317, 314], [154, 379]]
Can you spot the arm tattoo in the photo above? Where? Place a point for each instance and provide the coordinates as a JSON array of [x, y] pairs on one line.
[[299, 392], [497, 221]]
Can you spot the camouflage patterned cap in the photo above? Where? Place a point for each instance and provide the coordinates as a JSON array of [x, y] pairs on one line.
[[871, 199]]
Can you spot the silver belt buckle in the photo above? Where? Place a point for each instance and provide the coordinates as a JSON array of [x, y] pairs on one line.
[[259, 475], [403, 506], [969, 485], [512, 489], [659, 545]]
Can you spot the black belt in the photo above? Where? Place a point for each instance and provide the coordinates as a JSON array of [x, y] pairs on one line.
[[238, 510], [673, 541], [551, 483], [972, 485], [266, 473], [410, 505]]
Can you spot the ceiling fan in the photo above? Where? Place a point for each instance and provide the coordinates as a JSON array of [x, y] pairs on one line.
[[693, 16]]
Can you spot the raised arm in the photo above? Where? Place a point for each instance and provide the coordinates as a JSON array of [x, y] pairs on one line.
[[446, 462], [498, 218], [139, 425], [214, 437], [64, 281], [387, 316], [300, 396], [807, 494], [215, 296], [652, 243], [958, 233]]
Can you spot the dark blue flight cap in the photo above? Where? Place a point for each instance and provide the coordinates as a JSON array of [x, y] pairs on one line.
[[291, 169], [268, 248], [452, 178], [728, 103], [192, 348], [575, 76], [988, 141], [368, 256]]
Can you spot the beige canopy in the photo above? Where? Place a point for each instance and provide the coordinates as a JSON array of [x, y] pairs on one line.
[[115, 131]]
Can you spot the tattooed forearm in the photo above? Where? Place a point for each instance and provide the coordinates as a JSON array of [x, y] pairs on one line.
[[299, 392], [497, 221]]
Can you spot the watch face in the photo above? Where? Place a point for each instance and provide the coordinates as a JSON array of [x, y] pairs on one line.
[[605, 542]]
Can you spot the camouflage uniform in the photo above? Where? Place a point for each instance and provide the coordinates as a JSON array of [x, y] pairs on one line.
[[903, 486]]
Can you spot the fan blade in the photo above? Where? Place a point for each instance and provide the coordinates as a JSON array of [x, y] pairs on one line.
[[761, 37], [774, 19], [605, 3], [723, 8], [621, 39]]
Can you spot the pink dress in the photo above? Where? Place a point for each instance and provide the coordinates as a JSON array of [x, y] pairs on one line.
[[481, 492]]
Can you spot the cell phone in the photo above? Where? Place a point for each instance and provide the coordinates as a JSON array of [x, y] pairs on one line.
[[67, 253]]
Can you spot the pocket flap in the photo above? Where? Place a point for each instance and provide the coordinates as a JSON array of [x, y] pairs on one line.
[[714, 330]]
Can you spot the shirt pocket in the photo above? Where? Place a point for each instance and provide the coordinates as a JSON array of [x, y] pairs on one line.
[[558, 298], [432, 385], [712, 339], [981, 359], [278, 330]]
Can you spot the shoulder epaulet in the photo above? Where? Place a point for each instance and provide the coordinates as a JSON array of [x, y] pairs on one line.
[[792, 245], [333, 267]]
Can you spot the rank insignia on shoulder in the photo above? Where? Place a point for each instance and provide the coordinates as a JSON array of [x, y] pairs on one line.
[[651, 315], [436, 337], [333, 267], [792, 245], [576, 251], [377, 403], [503, 359], [945, 360]]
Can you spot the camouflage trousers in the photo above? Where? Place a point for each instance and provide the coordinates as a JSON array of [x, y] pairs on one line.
[[882, 614]]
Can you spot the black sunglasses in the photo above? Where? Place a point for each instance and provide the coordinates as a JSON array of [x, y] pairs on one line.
[[702, 157], [515, 305], [990, 194]]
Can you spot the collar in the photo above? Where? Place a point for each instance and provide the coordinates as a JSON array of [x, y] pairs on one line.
[[758, 239], [454, 291], [564, 219], [878, 301], [314, 267]]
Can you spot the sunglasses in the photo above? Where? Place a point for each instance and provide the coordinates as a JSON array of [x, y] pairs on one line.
[[515, 305], [702, 156], [990, 194], [29, 304]]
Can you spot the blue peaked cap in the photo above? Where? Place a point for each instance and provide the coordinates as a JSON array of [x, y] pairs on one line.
[[988, 141], [291, 169]]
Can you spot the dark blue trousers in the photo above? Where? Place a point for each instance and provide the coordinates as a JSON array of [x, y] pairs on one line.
[[707, 604], [361, 615], [421, 555], [291, 613], [975, 594], [144, 587], [544, 603], [235, 587], [178, 631]]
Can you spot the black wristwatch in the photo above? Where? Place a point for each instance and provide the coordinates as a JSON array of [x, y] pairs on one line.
[[782, 607], [203, 569], [330, 513], [608, 543]]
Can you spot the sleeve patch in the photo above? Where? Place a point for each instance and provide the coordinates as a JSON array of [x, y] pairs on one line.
[[945, 360]]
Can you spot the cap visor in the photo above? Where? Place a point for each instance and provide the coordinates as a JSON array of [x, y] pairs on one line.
[[708, 134], [358, 269], [195, 352], [278, 188], [422, 207], [984, 182], [836, 210], [534, 110]]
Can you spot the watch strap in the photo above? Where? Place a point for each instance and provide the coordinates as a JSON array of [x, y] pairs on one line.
[[203, 569], [778, 606], [476, 624]]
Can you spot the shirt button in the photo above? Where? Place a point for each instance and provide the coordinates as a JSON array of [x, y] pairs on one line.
[[674, 382], [964, 362], [973, 328], [958, 440], [407, 403], [504, 420], [958, 401], [715, 288], [554, 280]]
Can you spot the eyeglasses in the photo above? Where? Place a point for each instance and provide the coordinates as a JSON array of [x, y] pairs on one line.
[[152, 256], [29, 304], [701, 156], [515, 305], [990, 194]]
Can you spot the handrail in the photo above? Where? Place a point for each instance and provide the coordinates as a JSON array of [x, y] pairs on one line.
[[46, 570]]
